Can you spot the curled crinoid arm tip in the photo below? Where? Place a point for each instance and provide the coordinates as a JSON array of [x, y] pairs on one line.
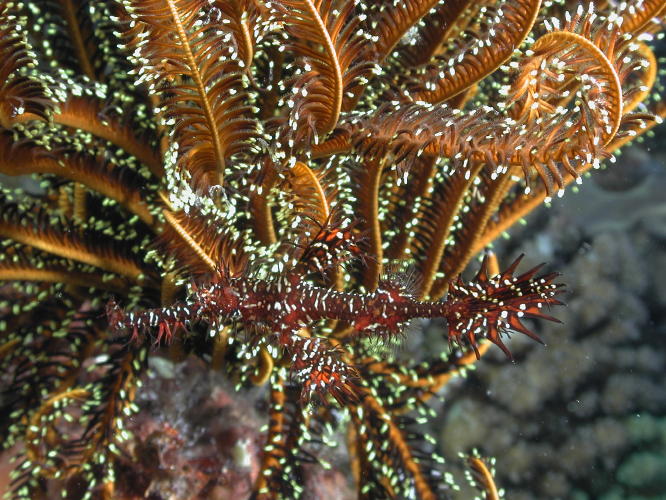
[[489, 306], [480, 474]]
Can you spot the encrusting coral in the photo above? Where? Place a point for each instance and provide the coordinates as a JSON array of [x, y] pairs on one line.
[[277, 188]]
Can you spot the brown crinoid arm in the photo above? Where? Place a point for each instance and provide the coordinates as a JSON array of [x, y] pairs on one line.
[[482, 472], [422, 381], [307, 196], [440, 26], [201, 244], [19, 93], [98, 432], [270, 484], [29, 265], [65, 330], [65, 412], [638, 15], [510, 214], [34, 228], [89, 114], [242, 17], [558, 56], [370, 176], [290, 428], [481, 205], [438, 215], [309, 191], [499, 31], [394, 19], [116, 182], [203, 94], [80, 35], [389, 456], [335, 55], [324, 238]]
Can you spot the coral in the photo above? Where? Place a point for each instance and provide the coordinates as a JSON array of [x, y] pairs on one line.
[[283, 191]]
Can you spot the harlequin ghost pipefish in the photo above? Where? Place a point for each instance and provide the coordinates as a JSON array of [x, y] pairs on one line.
[[482, 308]]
